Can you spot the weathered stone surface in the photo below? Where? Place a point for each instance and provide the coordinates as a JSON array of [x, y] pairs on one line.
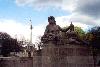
[[69, 55], [16, 62]]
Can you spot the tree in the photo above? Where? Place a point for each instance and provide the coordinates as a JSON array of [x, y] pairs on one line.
[[8, 44], [95, 35], [94, 40], [80, 32]]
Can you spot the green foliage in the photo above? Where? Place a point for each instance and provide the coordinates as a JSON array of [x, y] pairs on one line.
[[80, 32]]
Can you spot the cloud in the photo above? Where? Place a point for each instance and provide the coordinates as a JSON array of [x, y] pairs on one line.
[[13, 27], [66, 20], [83, 7], [83, 19], [21, 30], [81, 11], [38, 4], [38, 31], [88, 7]]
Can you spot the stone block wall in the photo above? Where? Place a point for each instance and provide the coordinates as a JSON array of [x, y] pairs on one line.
[[16, 62], [69, 55]]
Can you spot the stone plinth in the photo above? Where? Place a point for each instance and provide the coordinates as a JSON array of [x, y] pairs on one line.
[[68, 55]]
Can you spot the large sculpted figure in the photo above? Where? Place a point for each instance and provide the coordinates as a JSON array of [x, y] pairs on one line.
[[52, 31]]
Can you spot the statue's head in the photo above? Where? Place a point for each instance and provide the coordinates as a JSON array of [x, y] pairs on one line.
[[51, 20]]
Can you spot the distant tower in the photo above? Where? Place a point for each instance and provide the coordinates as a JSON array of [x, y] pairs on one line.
[[31, 32], [30, 45]]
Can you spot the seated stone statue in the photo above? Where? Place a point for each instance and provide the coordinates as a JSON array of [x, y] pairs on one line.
[[52, 31]]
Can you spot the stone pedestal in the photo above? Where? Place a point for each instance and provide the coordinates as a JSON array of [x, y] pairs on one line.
[[68, 55]]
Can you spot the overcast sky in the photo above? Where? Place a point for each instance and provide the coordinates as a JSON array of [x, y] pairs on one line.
[[15, 15]]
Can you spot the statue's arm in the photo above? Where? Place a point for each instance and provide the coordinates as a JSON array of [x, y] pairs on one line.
[[67, 29], [64, 30]]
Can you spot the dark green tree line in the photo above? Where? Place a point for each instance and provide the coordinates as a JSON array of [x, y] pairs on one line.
[[8, 44]]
